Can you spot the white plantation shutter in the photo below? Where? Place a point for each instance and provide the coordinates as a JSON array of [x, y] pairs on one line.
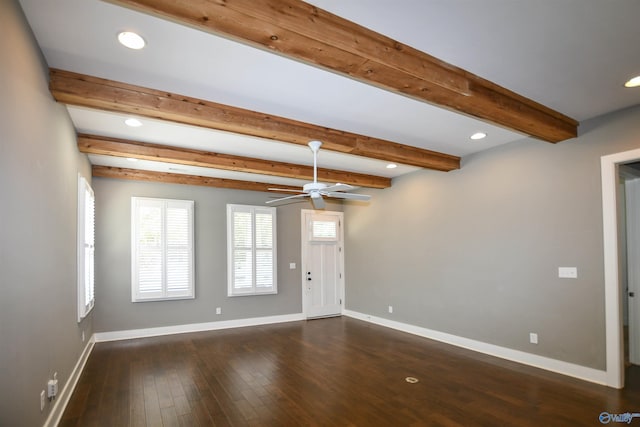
[[148, 253], [264, 269], [89, 247], [251, 232], [162, 249], [179, 250], [242, 250], [265, 266], [86, 248]]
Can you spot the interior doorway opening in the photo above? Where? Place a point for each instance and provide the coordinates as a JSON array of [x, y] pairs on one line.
[[629, 242], [615, 263]]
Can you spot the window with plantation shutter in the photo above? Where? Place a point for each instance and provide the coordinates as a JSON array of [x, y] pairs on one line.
[[162, 249], [86, 249], [251, 250]]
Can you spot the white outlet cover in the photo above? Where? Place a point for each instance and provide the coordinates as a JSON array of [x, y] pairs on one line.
[[292, 265], [218, 310], [533, 338], [52, 388], [568, 272]]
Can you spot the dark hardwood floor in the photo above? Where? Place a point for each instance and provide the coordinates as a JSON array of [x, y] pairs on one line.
[[328, 372]]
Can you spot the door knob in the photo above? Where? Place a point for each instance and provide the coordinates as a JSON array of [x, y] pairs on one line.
[[632, 294]]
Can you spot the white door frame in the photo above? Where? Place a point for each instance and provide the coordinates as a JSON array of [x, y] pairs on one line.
[[303, 256], [612, 292]]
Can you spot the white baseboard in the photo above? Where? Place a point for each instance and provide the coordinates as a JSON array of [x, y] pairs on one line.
[[553, 365], [195, 327], [63, 398]]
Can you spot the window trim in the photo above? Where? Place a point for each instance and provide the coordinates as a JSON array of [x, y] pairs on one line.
[[84, 306], [232, 291], [165, 295]]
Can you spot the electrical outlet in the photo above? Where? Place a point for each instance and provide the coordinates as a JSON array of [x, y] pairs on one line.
[[52, 389], [533, 338], [42, 401], [390, 309], [218, 310]]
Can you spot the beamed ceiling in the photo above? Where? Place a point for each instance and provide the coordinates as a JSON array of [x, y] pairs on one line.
[[230, 92]]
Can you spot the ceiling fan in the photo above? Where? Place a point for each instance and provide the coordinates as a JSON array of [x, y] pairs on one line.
[[317, 190]]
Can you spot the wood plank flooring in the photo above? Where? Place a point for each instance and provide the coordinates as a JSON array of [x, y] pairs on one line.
[[327, 372]]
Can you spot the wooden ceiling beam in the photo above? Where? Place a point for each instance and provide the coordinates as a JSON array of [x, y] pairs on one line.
[[303, 32], [91, 144], [176, 178], [93, 92]]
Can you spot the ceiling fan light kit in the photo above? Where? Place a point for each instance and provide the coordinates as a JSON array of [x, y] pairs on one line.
[[316, 191]]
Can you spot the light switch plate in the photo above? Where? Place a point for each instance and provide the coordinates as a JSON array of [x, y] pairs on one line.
[[292, 266], [568, 272]]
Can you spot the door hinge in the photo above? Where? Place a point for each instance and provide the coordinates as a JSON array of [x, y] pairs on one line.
[[340, 301], [340, 274]]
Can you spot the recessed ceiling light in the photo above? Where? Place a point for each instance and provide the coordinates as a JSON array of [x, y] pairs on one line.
[[131, 40], [634, 82], [134, 123], [392, 166], [478, 135], [131, 159]]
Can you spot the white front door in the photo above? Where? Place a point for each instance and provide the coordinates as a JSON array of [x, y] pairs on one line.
[[322, 261]]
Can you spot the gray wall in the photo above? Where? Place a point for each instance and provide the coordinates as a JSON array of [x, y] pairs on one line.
[[39, 163], [114, 309], [475, 252]]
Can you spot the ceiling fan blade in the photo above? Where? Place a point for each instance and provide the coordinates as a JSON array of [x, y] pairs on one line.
[[350, 196], [290, 202], [286, 198], [318, 202], [339, 187], [285, 190]]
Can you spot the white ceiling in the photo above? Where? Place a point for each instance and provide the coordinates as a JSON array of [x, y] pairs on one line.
[[570, 55]]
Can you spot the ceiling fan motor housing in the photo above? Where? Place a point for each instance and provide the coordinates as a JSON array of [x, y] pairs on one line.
[[314, 187]]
